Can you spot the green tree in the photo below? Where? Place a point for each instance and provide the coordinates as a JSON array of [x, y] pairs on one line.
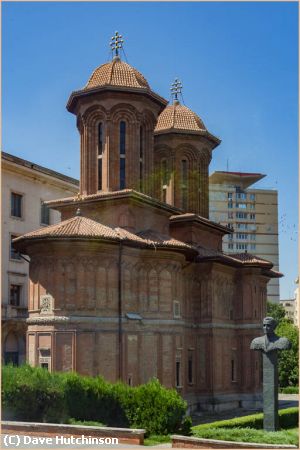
[[288, 369], [276, 311]]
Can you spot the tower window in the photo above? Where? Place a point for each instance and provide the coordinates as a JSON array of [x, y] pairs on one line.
[[100, 151], [141, 156], [100, 139], [184, 180], [122, 153], [164, 179]]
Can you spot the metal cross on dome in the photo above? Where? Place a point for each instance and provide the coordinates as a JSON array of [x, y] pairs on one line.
[[176, 88], [116, 43]]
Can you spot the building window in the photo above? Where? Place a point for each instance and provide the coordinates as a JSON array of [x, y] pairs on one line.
[[252, 237], [252, 216], [253, 246], [184, 182], [190, 367], [178, 374], [230, 215], [122, 153], [230, 205], [241, 246], [241, 236], [241, 205], [16, 201], [242, 226], [241, 215], [15, 294], [229, 195], [141, 156], [45, 214], [100, 138], [230, 246], [241, 195], [100, 152], [164, 179], [13, 253], [252, 196]]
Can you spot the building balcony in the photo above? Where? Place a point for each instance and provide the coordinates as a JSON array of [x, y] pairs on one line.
[[14, 312]]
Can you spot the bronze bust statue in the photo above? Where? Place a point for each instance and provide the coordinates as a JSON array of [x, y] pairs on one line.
[[270, 341]]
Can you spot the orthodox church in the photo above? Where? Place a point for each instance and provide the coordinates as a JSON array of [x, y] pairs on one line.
[[132, 283]]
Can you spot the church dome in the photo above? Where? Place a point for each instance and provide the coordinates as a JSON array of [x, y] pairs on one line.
[[117, 73], [180, 118]]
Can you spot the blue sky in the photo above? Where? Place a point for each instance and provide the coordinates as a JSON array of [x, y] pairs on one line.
[[238, 63]]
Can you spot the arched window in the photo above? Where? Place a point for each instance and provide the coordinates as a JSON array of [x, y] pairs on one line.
[[164, 179], [100, 150], [141, 157], [184, 184], [122, 153]]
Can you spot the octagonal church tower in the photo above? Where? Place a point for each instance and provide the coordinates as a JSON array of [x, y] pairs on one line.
[[132, 283], [116, 116], [182, 153]]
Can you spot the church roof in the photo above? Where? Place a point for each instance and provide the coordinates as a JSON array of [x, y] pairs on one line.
[[117, 73], [80, 227], [248, 258], [179, 117]]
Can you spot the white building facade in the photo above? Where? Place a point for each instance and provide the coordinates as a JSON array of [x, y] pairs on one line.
[[251, 213], [25, 186]]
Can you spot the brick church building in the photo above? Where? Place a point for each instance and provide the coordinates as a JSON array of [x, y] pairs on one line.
[[133, 284]]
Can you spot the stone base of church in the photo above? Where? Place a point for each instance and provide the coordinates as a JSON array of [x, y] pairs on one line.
[[225, 402]]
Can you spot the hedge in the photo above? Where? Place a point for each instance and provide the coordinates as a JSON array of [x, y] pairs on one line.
[[289, 390], [288, 418], [34, 394]]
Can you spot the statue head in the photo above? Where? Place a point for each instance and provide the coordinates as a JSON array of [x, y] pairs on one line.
[[269, 325]]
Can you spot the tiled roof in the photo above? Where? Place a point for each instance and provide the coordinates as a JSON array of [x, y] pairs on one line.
[[248, 258], [117, 73], [179, 117], [124, 193], [161, 239], [84, 228]]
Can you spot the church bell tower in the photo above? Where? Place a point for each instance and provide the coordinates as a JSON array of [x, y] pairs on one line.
[[116, 115]]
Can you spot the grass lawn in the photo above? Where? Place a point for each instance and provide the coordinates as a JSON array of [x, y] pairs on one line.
[[289, 436], [154, 439]]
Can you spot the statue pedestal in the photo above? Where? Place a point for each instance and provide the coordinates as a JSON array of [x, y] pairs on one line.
[[270, 391]]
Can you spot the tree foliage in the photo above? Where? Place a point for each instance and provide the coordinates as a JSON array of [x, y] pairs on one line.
[[288, 369]]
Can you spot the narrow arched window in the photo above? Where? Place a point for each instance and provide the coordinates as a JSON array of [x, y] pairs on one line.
[[100, 150], [141, 157], [164, 179], [184, 183], [122, 153]]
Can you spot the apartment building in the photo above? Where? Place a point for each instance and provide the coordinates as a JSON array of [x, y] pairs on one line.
[[251, 213], [25, 187]]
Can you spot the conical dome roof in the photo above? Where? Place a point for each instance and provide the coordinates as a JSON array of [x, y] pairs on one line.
[[179, 117], [117, 73]]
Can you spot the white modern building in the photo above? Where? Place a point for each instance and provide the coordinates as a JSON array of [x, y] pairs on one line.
[[251, 213], [25, 186]]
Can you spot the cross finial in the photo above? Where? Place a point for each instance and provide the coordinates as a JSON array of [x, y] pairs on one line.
[[176, 88], [116, 43]]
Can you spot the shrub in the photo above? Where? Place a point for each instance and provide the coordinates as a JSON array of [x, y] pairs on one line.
[[155, 408], [32, 394], [288, 418], [290, 390]]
